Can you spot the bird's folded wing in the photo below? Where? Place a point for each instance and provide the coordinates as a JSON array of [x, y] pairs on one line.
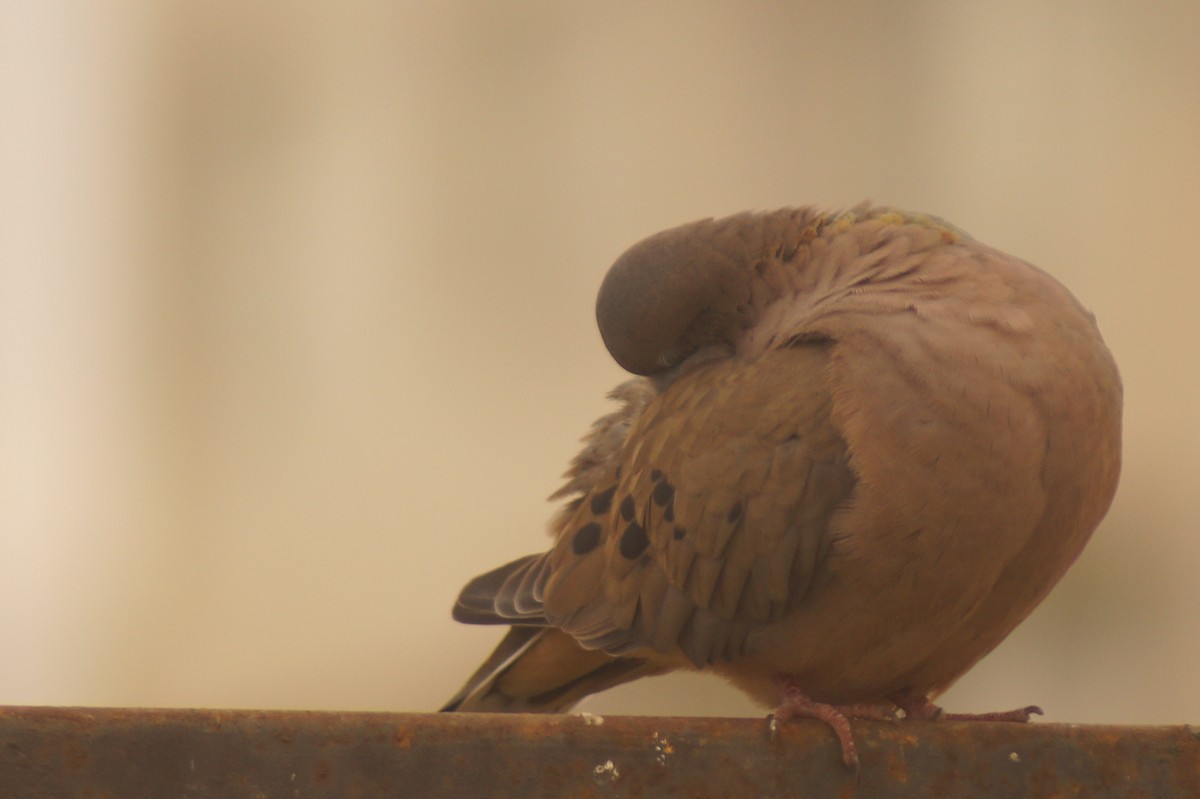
[[718, 520]]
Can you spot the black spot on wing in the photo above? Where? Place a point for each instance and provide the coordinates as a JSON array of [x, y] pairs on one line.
[[628, 508], [634, 541], [586, 538], [603, 501]]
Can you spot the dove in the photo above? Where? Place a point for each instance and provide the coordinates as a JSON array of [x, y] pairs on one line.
[[859, 449]]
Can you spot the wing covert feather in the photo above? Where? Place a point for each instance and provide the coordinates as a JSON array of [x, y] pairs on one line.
[[721, 501]]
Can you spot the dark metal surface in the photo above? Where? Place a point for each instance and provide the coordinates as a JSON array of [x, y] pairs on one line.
[[83, 752]]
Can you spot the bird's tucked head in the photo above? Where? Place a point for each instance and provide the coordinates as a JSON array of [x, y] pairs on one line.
[[693, 286], [706, 285]]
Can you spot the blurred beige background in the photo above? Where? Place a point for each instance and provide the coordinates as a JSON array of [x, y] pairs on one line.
[[296, 308]]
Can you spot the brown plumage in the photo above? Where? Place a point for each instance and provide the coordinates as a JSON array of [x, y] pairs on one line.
[[864, 448]]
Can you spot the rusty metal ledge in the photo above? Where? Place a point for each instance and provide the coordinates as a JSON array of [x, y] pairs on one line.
[[77, 752]]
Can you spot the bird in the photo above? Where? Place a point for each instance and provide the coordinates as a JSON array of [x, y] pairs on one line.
[[858, 449]]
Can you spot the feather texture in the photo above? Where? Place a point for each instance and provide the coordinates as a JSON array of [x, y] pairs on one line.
[[863, 447]]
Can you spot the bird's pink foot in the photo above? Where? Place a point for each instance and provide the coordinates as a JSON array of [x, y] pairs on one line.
[[795, 704], [919, 707]]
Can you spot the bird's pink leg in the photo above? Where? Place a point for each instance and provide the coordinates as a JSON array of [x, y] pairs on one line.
[[796, 704], [919, 707]]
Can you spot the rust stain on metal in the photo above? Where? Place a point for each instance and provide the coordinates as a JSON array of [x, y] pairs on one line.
[[77, 752]]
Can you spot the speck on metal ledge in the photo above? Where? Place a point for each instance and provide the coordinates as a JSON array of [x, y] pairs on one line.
[[116, 752]]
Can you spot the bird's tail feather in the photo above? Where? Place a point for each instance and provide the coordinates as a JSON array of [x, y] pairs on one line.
[[543, 670]]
